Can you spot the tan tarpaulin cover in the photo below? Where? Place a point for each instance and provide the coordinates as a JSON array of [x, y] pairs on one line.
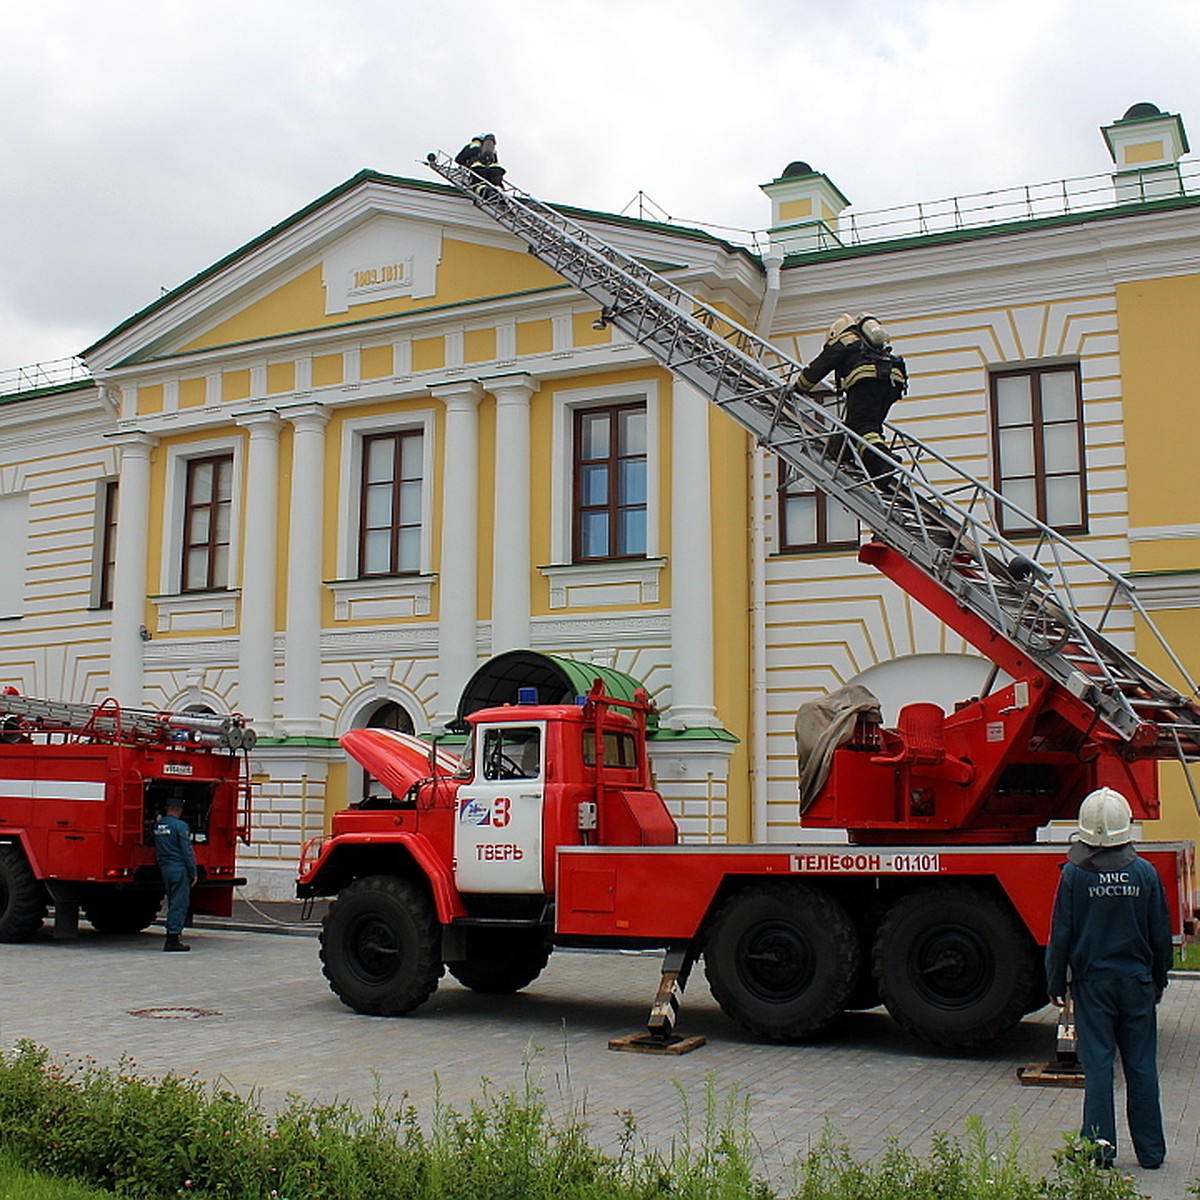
[[824, 724]]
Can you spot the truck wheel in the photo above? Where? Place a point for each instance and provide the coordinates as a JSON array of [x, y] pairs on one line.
[[381, 946], [781, 959], [954, 965], [500, 961], [121, 914], [22, 898]]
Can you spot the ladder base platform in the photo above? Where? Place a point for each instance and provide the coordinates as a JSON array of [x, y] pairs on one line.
[[1053, 1074], [647, 1043]]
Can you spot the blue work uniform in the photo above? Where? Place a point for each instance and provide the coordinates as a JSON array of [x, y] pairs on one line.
[[1112, 929], [173, 848]]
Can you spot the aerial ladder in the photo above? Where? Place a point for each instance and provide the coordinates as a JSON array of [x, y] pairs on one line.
[[22, 716], [937, 531]]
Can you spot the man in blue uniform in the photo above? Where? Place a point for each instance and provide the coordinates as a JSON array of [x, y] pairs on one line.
[[1112, 929], [173, 848]]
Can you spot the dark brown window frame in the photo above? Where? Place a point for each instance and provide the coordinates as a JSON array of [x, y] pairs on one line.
[[612, 505], [397, 437], [220, 463], [785, 490], [1040, 475], [108, 543]]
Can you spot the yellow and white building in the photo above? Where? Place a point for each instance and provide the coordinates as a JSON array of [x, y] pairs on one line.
[[324, 480]]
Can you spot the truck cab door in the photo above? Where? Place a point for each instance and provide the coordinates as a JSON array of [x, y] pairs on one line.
[[498, 826]]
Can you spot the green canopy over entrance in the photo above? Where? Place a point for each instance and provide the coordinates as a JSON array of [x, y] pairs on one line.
[[557, 681]]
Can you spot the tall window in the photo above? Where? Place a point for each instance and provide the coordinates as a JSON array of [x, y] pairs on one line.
[[207, 515], [1037, 438], [108, 544], [389, 539], [811, 520], [610, 482]]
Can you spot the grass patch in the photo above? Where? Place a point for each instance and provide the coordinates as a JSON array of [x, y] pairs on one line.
[[20, 1183], [1187, 956], [145, 1138]]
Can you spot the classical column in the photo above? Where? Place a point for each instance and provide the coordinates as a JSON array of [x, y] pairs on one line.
[[125, 674], [457, 573], [256, 653], [302, 654], [511, 515], [692, 630]]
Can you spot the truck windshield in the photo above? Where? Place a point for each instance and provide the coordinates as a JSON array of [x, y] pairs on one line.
[[512, 753]]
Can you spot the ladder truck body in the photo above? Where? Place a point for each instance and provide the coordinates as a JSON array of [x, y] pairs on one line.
[[81, 787], [938, 903]]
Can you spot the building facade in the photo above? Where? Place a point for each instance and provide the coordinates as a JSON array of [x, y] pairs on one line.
[[327, 478]]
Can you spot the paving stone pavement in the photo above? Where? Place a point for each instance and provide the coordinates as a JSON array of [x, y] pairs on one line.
[[275, 1028]]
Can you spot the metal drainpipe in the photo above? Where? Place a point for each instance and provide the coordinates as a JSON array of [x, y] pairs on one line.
[[772, 263]]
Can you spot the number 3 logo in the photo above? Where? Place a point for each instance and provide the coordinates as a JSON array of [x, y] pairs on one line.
[[501, 811]]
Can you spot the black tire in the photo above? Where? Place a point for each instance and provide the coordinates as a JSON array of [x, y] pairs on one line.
[[23, 900], [954, 965], [781, 959], [500, 961], [381, 946], [119, 914]]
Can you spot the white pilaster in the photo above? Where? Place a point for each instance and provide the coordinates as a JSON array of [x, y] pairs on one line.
[[457, 575], [302, 654], [511, 564], [256, 653], [126, 672], [692, 630]]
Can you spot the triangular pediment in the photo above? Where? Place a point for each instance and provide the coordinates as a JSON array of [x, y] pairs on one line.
[[379, 248]]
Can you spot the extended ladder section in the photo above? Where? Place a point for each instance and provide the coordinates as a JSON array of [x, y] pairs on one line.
[[108, 722], [927, 512]]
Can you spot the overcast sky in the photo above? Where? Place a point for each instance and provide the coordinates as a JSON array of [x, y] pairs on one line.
[[142, 141]]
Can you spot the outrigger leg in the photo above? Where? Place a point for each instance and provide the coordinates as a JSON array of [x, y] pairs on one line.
[[661, 1037]]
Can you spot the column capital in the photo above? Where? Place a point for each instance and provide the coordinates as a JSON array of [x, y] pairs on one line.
[[516, 388], [132, 440], [260, 419], [464, 393], [308, 415]]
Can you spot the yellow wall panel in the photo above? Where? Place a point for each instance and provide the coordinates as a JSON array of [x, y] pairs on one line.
[[1145, 152], [535, 337], [192, 393], [281, 377], [375, 362], [479, 345], [235, 385], [583, 333], [327, 370], [428, 354], [150, 399], [795, 210]]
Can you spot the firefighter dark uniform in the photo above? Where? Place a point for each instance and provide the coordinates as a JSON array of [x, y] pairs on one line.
[[479, 155], [177, 861], [869, 374], [1112, 929]]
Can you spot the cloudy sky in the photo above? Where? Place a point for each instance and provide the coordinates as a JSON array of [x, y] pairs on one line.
[[141, 140]]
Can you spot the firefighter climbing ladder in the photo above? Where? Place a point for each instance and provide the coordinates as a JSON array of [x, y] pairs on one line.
[[931, 511], [108, 722]]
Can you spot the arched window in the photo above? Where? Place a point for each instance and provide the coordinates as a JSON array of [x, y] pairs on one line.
[[386, 715]]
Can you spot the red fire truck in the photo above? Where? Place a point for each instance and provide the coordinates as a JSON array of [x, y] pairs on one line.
[[80, 789], [933, 894]]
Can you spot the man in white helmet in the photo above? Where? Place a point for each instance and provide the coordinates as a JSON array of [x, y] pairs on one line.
[[858, 352], [1112, 930]]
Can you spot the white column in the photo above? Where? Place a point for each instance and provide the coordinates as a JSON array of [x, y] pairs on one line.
[[256, 652], [457, 573], [125, 673], [511, 515], [302, 654], [692, 632]]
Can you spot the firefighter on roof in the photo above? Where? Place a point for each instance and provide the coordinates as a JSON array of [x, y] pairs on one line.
[[872, 378], [479, 155], [1111, 928]]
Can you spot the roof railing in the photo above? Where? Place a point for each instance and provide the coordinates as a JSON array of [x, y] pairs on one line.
[[51, 373]]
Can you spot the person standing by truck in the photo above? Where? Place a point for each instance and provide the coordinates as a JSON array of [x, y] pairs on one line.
[[1111, 929], [177, 861]]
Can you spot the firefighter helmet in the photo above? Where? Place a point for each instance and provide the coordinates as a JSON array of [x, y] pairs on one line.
[[839, 327], [1104, 819]]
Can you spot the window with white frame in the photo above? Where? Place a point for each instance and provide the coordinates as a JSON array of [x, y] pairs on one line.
[[207, 523], [809, 519], [391, 503], [106, 542], [1038, 447], [14, 534], [610, 496]]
